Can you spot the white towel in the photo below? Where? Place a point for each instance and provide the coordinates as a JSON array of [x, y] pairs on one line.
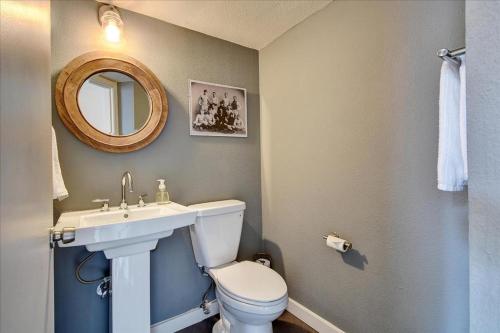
[[463, 119], [59, 190], [452, 157]]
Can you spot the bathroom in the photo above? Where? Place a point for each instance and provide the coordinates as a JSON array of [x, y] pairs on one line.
[[342, 134]]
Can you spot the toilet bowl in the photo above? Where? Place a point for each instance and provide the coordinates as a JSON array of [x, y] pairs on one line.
[[250, 295]]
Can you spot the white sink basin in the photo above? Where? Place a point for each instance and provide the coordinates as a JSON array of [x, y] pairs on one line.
[[127, 237], [103, 231]]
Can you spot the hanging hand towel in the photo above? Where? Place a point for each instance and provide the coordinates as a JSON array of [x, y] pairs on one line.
[[59, 190], [463, 119], [452, 157]]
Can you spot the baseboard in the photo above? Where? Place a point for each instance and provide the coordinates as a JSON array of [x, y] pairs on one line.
[[185, 319], [196, 315], [316, 322]]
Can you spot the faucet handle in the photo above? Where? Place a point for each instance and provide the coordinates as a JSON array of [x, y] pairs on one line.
[[105, 204], [141, 199]]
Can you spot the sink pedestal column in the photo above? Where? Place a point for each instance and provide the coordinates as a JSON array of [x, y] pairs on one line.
[[130, 270]]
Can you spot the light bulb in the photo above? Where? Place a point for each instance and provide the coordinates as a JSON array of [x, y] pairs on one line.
[[111, 23], [112, 32]]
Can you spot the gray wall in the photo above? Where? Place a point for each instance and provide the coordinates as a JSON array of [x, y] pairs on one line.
[[26, 302], [198, 169], [349, 108], [483, 103]]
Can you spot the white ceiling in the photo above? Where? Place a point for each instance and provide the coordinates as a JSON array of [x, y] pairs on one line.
[[251, 23]]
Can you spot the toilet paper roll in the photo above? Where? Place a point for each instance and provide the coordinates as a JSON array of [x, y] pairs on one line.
[[338, 244]]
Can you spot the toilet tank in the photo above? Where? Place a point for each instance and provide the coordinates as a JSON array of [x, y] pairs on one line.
[[216, 232]]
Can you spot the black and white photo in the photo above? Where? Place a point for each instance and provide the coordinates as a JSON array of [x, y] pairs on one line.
[[217, 110]]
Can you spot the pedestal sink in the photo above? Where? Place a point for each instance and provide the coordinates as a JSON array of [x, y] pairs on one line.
[[127, 237]]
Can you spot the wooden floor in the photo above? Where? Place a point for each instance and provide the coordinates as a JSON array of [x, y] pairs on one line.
[[287, 323]]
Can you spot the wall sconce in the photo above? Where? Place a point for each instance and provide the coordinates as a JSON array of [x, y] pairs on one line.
[[111, 23]]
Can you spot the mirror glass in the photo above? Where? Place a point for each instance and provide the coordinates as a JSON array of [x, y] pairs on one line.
[[114, 103]]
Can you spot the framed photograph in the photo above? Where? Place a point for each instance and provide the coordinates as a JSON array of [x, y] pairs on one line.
[[217, 110]]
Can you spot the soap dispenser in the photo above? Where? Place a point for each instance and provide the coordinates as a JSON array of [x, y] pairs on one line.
[[162, 196]]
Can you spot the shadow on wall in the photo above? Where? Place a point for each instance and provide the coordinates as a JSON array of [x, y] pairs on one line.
[[249, 235], [276, 257], [355, 259]]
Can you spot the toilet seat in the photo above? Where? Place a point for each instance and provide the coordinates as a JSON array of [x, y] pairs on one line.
[[252, 308], [249, 302], [250, 282]]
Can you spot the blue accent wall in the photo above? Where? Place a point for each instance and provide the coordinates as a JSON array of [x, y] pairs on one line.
[[197, 169]]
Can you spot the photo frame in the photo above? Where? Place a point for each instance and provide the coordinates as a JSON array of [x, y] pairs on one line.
[[217, 110]]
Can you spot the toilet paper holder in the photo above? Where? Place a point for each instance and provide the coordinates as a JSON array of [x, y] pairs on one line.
[[347, 244]]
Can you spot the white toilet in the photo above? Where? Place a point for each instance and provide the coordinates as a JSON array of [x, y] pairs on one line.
[[250, 295]]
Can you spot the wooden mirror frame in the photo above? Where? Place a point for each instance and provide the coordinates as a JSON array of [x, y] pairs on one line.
[[71, 79]]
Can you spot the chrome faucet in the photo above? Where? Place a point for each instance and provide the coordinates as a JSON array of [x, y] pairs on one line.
[[126, 176]]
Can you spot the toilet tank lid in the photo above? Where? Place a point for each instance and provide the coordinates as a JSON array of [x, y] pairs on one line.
[[218, 207]]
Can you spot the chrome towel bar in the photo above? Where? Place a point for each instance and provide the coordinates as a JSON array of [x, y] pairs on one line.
[[451, 56]]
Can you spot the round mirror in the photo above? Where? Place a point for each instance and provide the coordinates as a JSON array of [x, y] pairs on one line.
[[111, 101], [114, 103]]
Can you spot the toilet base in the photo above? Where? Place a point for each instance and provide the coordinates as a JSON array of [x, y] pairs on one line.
[[219, 327], [229, 324]]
